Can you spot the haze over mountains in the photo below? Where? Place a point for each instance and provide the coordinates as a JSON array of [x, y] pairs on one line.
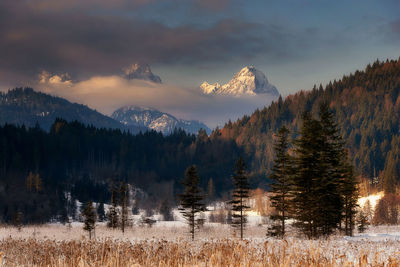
[[28, 107], [248, 89]]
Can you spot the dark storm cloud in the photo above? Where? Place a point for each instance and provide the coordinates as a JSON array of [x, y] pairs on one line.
[[32, 38]]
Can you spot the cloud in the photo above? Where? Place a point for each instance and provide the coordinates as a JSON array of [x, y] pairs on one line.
[[49, 79], [85, 44], [108, 93]]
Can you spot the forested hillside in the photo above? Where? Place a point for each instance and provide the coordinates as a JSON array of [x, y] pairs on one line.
[[43, 173], [24, 106], [366, 105]]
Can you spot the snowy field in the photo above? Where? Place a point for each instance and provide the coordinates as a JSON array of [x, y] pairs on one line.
[[167, 243], [216, 244]]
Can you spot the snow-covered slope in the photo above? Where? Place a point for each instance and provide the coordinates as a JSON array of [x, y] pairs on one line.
[[141, 72], [248, 81], [209, 88], [155, 120]]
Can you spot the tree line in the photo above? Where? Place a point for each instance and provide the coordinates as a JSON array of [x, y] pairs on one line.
[[43, 174]]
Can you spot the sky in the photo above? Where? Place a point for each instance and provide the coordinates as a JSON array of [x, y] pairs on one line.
[[85, 45]]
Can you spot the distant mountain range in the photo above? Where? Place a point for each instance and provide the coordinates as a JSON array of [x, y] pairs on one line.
[[156, 120], [28, 107], [248, 81]]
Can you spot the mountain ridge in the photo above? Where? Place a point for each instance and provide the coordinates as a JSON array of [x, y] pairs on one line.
[[24, 106], [155, 120]]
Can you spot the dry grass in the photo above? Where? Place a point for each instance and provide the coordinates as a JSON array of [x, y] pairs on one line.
[[31, 252], [23, 249]]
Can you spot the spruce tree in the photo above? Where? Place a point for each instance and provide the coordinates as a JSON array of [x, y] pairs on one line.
[[191, 200], [239, 196], [324, 186], [332, 153], [362, 222], [340, 191], [89, 218], [100, 212], [350, 197], [391, 173], [112, 214], [281, 183], [307, 175], [124, 203]]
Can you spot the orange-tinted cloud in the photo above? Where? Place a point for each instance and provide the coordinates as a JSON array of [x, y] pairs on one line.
[[108, 93]]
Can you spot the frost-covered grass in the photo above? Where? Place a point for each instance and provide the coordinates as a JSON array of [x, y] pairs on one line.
[[168, 244]]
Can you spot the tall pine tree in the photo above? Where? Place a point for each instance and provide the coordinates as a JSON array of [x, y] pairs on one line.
[[324, 186], [307, 175], [350, 196], [332, 154], [191, 200], [124, 202], [112, 214], [89, 218], [240, 196], [281, 183]]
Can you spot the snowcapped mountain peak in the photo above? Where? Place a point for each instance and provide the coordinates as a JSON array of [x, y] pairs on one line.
[[248, 81], [155, 120], [209, 88], [246, 70], [141, 72]]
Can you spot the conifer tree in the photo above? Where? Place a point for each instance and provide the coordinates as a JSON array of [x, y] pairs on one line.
[[112, 214], [391, 173], [332, 153], [100, 212], [324, 186], [89, 218], [239, 196], [307, 175], [281, 183], [124, 203], [191, 200], [350, 197], [362, 222]]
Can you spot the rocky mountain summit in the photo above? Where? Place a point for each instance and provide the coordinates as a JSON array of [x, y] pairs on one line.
[[248, 81], [141, 72]]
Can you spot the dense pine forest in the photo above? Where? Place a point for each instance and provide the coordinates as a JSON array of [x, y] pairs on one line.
[[42, 173]]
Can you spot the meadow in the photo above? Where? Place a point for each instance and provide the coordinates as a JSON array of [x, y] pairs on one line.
[[169, 245]]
